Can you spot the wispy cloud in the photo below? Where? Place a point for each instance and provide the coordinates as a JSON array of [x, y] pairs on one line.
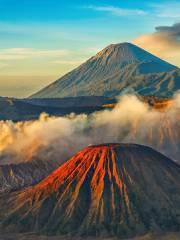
[[69, 62], [167, 10], [117, 10], [26, 53]]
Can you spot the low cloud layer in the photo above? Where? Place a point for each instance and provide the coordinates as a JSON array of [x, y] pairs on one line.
[[164, 42], [58, 138]]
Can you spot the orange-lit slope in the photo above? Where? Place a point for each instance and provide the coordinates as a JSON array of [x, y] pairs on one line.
[[111, 189]]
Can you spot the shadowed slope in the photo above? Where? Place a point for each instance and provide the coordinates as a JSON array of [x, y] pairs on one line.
[[18, 176], [111, 189]]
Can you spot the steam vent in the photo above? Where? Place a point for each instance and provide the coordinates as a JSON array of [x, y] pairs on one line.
[[122, 190]]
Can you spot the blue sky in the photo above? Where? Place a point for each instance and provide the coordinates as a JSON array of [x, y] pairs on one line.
[[41, 40]]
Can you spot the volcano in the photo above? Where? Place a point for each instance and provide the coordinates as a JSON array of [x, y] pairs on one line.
[[122, 190], [117, 69]]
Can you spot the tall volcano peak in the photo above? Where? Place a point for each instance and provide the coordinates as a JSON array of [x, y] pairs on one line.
[[115, 68], [128, 53], [111, 189]]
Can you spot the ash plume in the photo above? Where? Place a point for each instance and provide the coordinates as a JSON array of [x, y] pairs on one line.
[[58, 138]]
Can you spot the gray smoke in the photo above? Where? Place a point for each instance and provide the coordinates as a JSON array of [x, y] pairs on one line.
[[173, 31]]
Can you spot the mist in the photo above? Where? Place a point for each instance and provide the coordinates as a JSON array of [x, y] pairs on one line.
[[58, 138]]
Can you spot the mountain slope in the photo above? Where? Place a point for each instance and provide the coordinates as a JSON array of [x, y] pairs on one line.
[[120, 190], [17, 176], [116, 69]]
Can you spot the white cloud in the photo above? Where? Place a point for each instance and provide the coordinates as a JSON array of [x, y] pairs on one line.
[[117, 11], [167, 10], [25, 53]]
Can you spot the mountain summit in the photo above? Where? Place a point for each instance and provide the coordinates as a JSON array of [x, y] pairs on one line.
[[117, 69], [123, 54], [116, 189]]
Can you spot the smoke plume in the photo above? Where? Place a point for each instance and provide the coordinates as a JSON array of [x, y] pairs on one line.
[[58, 138], [164, 42]]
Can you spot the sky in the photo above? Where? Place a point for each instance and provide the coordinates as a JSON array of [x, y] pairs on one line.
[[40, 40]]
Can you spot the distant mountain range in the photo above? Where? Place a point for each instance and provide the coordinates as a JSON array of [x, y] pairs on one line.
[[27, 109], [122, 190], [117, 69]]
